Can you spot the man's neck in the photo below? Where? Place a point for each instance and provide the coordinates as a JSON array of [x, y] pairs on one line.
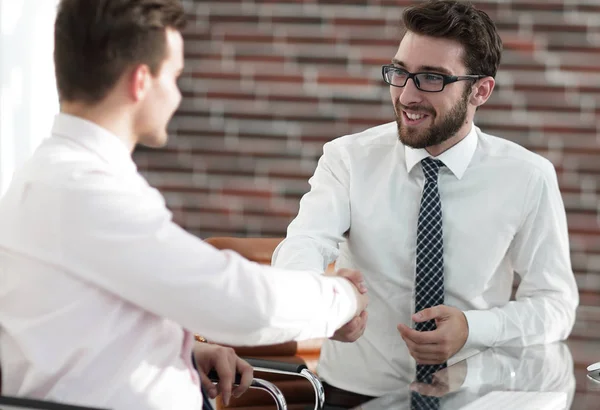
[[114, 120]]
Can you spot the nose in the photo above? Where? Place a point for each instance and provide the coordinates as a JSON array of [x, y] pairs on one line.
[[409, 94]]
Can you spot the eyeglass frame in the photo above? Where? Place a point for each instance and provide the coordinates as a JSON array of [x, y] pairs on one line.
[[446, 79]]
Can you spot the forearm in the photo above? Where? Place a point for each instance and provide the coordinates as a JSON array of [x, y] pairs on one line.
[[221, 295], [301, 252], [279, 306], [151, 262], [538, 368], [525, 322]]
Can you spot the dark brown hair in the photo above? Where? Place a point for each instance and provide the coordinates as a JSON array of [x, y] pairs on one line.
[[459, 21], [96, 41]]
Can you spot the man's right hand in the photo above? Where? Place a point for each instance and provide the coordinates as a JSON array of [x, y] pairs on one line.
[[354, 329]]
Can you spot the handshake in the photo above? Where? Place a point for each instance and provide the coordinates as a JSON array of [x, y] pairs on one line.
[[354, 329]]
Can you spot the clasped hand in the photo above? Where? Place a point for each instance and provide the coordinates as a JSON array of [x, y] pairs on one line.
[[355, 328], [436, 346]]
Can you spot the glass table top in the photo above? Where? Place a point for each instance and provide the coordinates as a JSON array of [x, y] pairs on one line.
[[538, 377]]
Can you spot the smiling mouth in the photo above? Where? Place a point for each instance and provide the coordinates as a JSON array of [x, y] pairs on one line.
[[414, 118]]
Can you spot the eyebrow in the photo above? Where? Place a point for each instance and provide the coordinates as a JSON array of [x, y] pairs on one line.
[[424, 67]]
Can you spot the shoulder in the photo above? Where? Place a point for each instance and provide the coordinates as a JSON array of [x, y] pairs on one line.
[[514, 158], [382, 136], [64, 167]]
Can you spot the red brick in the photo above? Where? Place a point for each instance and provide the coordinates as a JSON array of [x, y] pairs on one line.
[[358, 22], [264, 92]]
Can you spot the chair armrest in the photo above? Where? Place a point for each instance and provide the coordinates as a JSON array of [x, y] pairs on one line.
[[298, 369], [273, 366], [259, 384]]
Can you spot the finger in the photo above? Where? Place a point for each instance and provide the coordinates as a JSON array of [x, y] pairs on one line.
[[351, 330], [362, 287], [349, 327], [414, 348], [354, 324], [342, 334], [363, 317], [426, 353], [431, 337], [355, 277], [425, 349], [225, 367], [428, 359], [440, 377], [208, 385], [247, 375], [358, 332], [430, 313], [427, 389], [361, 321]]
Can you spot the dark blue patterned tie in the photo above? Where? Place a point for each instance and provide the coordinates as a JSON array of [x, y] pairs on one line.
[[421, 402], [429, 278]]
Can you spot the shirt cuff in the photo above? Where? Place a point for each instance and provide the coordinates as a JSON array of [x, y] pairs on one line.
[[484, 328]]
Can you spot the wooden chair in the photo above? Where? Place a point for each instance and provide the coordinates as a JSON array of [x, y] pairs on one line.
[[298, 392]]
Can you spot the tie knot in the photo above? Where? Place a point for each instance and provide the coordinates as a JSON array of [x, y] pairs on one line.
[[431, 168]]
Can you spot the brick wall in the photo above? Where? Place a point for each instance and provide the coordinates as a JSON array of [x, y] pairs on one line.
[[268, 82]]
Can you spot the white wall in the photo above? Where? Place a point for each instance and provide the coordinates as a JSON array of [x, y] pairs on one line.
[[28, 98]]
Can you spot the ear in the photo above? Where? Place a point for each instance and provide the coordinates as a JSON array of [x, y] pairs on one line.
[[483, 90], [140, 82]]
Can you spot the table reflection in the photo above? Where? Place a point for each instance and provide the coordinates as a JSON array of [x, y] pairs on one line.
[[498, 378]]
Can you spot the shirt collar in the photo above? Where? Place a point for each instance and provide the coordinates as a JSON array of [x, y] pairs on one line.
[[456, 158], [95, 138]]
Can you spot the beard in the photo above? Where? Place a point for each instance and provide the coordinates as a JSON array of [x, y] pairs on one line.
[[436, 133]]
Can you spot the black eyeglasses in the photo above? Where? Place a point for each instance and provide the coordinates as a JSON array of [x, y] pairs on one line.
[[429, 82]]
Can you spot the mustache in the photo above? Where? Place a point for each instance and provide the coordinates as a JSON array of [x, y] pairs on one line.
[[415, 108]]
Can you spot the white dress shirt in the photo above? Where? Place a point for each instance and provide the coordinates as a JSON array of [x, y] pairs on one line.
[[100, 290], [502, 214]]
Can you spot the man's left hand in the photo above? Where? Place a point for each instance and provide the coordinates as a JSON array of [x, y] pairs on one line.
[[436, 346], [444, 381], [226, 362]]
